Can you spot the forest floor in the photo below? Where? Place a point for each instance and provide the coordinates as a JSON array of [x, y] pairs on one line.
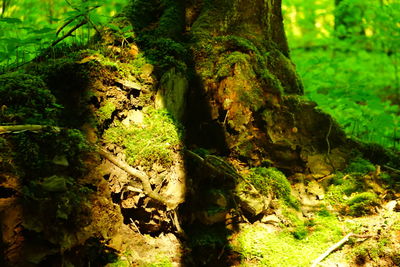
[[65, 205]]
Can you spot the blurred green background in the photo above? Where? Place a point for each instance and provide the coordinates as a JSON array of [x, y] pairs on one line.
[[346, 51]]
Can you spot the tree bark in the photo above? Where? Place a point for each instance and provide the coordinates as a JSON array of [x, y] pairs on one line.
[[244, 90]]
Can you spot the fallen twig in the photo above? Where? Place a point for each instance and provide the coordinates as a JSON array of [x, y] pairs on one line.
[[336, 246], [391, 169], [4, 129]]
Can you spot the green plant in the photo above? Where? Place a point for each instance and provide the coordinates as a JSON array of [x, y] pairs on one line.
[[259, 247], [26, 100], [362, 203]]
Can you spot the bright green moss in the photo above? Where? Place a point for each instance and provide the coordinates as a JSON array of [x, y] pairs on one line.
[[260, 247], [105, 112], [268, 180], [363, 203], [154, 141]]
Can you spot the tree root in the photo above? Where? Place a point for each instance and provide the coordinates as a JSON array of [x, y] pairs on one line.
[[143, 177]]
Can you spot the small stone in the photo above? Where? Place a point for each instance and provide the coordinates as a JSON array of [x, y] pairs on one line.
[[391, 205], [147, 70], [133, 117], [270, 219], [61, 160], [128, 85]]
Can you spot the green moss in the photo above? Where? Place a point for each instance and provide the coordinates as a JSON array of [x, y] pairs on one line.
[[105, 112], [206, 236], [25, 99], [161, 263], [268, 180], [260, 247], [224, 66], [363, 203], [341, 188], [152, 142], [361, 166]]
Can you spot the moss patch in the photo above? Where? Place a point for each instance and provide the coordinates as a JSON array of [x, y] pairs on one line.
[[154, 141], [271, 180], [259, 247]]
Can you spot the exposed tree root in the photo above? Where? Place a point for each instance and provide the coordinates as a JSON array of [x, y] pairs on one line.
[[143, 177]]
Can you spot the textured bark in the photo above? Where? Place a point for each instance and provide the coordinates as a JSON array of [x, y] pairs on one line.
[[243, 99]]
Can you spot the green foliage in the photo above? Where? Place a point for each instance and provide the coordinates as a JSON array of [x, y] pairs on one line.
[[360, 166], [341, 188], [348, 59], [152, 142], [351, 91], [26, 100], [161, 263], [24, 35], [267, 180], [59, 197], [163, 52], [363, 203], [205, 236], [35, 152]]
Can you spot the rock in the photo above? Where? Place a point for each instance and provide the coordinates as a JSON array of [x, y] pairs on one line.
[[61, 160], [391, 205], [397, 207], [135, 117], [147, 70], [209, 218], [54, 184], [172, 93], [218, 198], [175, 190], [318, 165], [316, 189], [250, 200], [270, 219], [128, 85]]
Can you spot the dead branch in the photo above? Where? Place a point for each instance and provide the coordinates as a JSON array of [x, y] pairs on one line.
[[26, 127], [336, 246], [391, 169]]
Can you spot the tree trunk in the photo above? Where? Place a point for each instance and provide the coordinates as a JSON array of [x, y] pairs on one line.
[[244, 98]]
